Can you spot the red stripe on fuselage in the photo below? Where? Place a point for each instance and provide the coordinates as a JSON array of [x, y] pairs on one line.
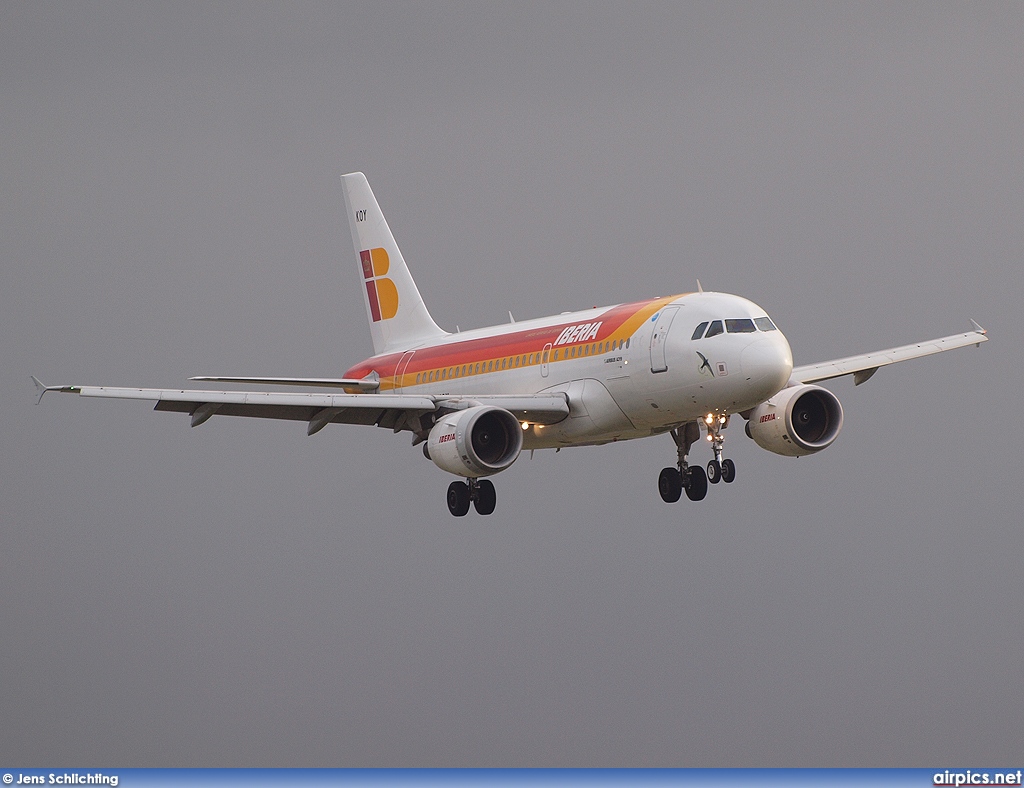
[[454, 353]]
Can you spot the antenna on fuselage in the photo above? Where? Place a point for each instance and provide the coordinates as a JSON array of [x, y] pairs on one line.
[[699, 288]]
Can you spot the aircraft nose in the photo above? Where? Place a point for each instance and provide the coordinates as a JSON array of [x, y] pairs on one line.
[[768, 361]]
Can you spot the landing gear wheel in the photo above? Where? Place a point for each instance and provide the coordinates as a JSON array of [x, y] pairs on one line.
[[670, 485], [458, 498], [486, 498], [696, 483], [714, 471], [728, 471]]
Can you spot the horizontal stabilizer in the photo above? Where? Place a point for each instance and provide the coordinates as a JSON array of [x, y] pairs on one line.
[[370, 383]]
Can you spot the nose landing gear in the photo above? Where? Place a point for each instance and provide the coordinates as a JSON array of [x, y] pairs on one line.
[[719, 470], [692, 478], [478, 491]]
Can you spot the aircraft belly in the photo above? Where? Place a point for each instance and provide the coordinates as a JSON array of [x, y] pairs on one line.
[[593, 416]]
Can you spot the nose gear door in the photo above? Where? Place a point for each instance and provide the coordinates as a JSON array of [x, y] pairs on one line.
[[659, 336]]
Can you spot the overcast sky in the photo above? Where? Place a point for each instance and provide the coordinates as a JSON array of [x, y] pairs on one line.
[[241, 595]]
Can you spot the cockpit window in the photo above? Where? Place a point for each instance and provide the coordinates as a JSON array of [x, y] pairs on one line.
[[714, 329], [765, 324], [698, 332], [743, 325]]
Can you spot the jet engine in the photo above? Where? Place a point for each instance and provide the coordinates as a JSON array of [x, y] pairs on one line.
[[478, 441], [799, 420]]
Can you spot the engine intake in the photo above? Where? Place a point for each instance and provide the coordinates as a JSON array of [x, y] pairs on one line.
[[797, 421], [478, 441]]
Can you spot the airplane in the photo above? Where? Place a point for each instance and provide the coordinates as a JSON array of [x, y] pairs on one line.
[[684, 365]]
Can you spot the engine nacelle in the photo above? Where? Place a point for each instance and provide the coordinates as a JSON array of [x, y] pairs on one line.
[[797, 421], [477, 441]]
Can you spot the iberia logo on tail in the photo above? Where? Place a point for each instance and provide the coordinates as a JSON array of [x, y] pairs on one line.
[[380, 291]]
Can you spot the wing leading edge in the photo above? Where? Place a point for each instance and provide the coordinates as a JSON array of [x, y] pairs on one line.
[[864, 366]]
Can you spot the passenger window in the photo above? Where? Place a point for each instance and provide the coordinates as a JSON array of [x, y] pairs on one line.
[[698, 332], [627, 343], [765, 324], [714, 329], [545, 357], [743, 325]]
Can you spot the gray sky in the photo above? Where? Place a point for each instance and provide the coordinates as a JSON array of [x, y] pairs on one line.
[[240, 594]]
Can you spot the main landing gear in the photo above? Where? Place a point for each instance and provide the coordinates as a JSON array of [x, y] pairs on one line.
[[692, 478], [479, 491]]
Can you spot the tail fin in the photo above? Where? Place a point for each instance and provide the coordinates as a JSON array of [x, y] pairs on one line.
[[398, 317]]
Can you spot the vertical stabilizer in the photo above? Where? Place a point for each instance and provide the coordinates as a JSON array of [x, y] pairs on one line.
[[398, 317]]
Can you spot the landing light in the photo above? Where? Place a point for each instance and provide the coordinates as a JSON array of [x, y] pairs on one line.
[[526, 425], [709, 419]]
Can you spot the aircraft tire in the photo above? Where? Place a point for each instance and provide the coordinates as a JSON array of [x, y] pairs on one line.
[[670, 485], [697, 483], [728, 471], [714, 472], [458, 498], [486, 497]]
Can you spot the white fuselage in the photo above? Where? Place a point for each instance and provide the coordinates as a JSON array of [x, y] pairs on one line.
[[628, 371]]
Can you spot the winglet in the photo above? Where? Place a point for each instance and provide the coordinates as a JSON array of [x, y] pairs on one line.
[[980, 330], [39, 387], [42, 388]]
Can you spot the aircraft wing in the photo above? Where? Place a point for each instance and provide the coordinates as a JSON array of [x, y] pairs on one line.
[[395, 411], [864, 366]]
